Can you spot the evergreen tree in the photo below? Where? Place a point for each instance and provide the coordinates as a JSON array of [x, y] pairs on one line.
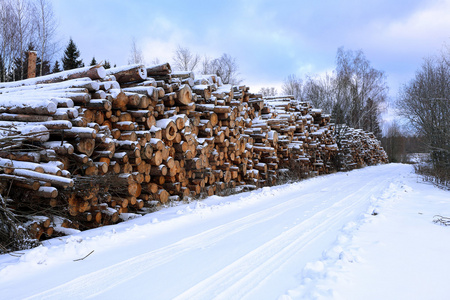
[[71, 55], [21, 65], [45, 67], [93, 62], [56, 67], [2, 69], [107, 65]]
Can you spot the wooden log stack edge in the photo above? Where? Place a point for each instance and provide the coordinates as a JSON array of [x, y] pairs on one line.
[[90, 146]]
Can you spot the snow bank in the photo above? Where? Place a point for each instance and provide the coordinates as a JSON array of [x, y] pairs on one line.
[[365, 234]]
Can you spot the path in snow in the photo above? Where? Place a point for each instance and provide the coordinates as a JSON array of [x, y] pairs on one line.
[[248, 246]]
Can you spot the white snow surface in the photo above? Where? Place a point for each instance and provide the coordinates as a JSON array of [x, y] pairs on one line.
[[364, 234]]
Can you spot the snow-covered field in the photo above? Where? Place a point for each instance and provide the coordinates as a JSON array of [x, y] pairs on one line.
[[365, 234]]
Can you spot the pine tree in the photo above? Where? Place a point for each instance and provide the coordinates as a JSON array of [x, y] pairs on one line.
[[107, 65], [2, 69], [21, 64], [71, 55], [93, 62], [45, 67], [56, 67]]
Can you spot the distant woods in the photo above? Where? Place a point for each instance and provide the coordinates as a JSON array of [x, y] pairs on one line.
[[352, 93]]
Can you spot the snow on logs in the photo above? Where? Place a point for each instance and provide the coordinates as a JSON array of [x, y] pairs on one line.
[[132, 138]]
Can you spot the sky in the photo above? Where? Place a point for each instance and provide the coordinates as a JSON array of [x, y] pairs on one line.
[[269, 39]]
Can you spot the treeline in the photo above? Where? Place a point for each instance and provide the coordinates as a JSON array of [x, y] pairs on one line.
[[400, 147], [425, 103], [352, 93], [30, 25]]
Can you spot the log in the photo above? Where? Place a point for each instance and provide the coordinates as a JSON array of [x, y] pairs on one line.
[[86, 146], [183, 74], [118, 99], [101, 104], [128, 73], [169, 129], [160, 170], [94, 73], [53, 179], [24, 182], [9, 104], [184, 95], [162, 195], [150, 91], [47, 192], [36, 132], [24, 117], [60, 147], [161, 69]]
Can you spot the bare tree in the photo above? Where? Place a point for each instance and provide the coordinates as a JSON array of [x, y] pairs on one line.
[[356, 81], [293, 86], [425, 102], [156, 61], [16, 33], [45, 25], [320, 92], [268, 91], [226, 68], [185, 60], [206, 65], [7, 34], [22, 11], [136, 56]]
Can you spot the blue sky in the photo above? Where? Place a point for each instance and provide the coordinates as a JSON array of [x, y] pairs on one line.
[[269, 39]]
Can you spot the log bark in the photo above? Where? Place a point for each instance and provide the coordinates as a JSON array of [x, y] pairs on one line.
[[9, 104], [161, 69], [94, 73], [128, 73], [55, 180]]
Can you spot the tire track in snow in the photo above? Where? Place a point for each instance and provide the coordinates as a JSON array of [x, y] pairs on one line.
[[238, 279], [120, 273], [255, 266]]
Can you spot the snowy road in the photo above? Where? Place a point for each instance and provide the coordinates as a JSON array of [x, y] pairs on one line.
[[254, 245]]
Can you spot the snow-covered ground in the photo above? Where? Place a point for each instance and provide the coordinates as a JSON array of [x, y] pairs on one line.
[[365, 234]]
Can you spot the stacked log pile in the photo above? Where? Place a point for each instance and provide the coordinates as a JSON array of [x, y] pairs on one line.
[[360, 149], [90, 145]]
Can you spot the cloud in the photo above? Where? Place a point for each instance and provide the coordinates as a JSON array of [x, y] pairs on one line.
[[420, 33]]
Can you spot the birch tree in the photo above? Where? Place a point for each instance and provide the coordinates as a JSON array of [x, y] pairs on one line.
[[226, 68], [293, 86], [356, 84], [185, 60], [8, 36], [45, 24], [23, 24], [136, 56]]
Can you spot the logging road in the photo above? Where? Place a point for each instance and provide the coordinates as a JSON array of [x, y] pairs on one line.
[[253, 245]]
